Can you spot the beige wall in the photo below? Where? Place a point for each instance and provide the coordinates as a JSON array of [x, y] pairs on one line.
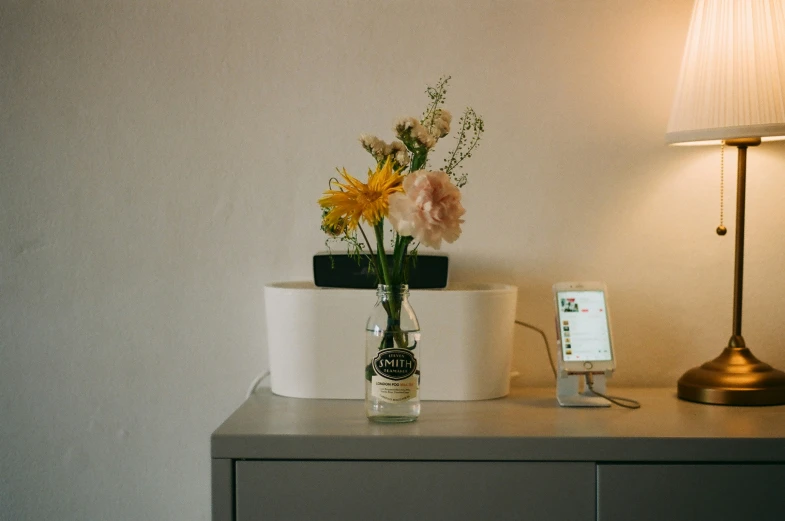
[[160, 162]]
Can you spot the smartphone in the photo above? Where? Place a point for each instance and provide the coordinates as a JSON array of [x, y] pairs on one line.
[[583, 327]]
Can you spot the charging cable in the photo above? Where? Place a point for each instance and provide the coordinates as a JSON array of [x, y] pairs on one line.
[[255, 384], [627, 403], [544, 339]]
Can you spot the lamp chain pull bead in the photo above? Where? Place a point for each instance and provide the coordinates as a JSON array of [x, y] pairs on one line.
[[721, 229]]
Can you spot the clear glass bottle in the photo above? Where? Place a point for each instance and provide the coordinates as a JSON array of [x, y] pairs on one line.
[[392, 352]]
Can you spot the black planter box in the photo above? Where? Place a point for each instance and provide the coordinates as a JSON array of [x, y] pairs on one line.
[[338, 270]]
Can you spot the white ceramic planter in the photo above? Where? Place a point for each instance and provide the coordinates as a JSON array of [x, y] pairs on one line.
[[316, 340]]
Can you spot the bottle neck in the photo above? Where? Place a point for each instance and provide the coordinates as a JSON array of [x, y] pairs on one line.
[[398, 292]]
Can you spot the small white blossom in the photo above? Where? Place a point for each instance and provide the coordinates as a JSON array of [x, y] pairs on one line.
[[440, 126], [411, 132], [381, 150], [399, 153], [372, 144]]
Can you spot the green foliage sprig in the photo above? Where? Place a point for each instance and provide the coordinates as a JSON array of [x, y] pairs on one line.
[[438, 96], [472, 127]]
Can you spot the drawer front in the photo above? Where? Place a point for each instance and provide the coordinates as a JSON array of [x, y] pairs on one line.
[[710, 492], [395, 490]]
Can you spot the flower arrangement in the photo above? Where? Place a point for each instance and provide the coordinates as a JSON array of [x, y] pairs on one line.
[[423, 206]]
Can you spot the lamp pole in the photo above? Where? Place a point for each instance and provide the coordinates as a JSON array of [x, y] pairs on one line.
[[738, 271]]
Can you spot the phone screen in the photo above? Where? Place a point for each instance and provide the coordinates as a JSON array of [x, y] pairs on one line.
[[583, 323]]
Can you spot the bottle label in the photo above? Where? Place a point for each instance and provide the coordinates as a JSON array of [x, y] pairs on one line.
[[395, 378], [395, 364], [394, 390]]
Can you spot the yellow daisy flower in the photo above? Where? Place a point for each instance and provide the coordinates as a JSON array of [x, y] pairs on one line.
[[355, 199]]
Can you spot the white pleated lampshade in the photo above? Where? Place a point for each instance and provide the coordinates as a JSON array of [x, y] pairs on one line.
[[732, 80]]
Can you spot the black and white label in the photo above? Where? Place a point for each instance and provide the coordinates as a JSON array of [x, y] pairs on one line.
[[395, 364], [395, 378]]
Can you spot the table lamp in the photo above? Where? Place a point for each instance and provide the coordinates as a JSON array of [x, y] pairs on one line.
[[731, 90]]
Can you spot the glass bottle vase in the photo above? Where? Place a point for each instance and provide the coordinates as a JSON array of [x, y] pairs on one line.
[[392, 352]]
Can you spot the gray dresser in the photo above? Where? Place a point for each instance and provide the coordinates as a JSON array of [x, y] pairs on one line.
[[517, 458]]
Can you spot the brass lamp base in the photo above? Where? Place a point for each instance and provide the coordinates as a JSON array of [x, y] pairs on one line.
[[735, 377]]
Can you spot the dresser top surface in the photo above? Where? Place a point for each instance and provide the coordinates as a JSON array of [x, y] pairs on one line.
[[526, 425]]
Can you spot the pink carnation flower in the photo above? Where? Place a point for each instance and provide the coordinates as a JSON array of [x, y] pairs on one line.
[[429, 209]]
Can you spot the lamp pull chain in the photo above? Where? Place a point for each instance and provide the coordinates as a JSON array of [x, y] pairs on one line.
[[721, 229]]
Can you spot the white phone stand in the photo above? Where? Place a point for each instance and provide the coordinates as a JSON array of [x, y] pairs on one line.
[[572, 391]]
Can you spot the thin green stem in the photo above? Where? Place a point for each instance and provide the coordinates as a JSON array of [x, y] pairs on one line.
[[399, 259], [418, 160], [370, 251], [396, 279], [451, 161], [378, 228], [393, 305]]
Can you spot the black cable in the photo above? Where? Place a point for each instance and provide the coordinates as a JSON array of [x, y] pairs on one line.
[[545, 339], [627, 403]]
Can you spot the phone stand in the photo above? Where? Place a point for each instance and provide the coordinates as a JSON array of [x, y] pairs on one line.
[[572, 391]]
